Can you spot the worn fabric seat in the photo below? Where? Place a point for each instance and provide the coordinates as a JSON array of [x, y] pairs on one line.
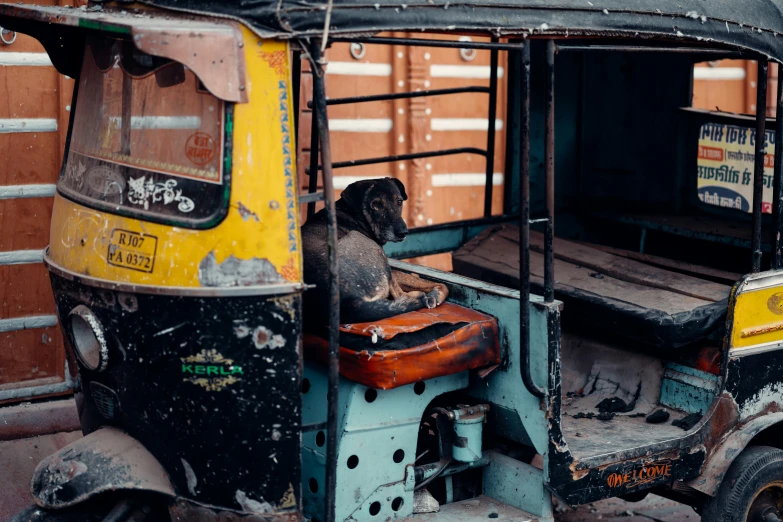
[[412, 347], [648, 305]]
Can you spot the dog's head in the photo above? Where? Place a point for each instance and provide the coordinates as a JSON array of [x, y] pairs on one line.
[[378, 202]]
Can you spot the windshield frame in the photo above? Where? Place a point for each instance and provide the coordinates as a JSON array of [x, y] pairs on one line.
[[208, 222]]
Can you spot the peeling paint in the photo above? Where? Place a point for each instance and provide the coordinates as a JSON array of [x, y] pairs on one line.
[[128, 302], [261, 337], [241, 331], [770, 393], [253, 506], [246, 213], [237, 272]]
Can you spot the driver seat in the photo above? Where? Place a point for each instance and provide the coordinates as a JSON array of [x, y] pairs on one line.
[[412, 347]]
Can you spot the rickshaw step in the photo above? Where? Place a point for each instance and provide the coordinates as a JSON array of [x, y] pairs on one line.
[[479, 508], [310, 198]]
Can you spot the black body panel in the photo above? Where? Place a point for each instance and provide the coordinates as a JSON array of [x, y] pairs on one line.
[[209, 385]]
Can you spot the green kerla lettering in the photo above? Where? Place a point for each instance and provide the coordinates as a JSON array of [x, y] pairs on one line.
[[187, 368]]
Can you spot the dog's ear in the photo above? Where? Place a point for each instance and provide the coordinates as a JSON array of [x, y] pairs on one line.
[[401, 187], [355, 193]]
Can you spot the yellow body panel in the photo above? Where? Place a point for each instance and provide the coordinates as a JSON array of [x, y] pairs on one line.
[[263, 187], [758, 315]]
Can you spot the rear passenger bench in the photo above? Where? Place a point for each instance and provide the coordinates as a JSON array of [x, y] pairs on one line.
[[630, 330]]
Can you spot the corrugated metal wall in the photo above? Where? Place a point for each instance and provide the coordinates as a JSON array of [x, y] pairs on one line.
[[34, 108], [440, 189]]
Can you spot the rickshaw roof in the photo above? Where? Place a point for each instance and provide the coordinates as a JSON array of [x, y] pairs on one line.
[[755, 25]]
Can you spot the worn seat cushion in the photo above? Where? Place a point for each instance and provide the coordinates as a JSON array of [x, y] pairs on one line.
[[412, 347]]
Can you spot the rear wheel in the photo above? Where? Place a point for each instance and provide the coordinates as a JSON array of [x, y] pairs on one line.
[[752, 489]]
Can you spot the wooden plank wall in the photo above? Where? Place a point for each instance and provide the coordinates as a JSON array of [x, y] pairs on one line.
[[730, 86], [440, 189], [34, 107]]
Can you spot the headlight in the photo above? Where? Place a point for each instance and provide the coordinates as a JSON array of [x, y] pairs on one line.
[[89, 342]]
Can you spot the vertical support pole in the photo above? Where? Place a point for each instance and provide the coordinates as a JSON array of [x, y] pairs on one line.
[[314, 138], [549, 168], [513, 134], [524, 226], [127, 113], [758, 174], [777, 229], [296, 84], [319, 113], [491, 116]]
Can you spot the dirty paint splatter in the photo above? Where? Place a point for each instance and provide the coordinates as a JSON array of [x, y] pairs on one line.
[[261, 337]]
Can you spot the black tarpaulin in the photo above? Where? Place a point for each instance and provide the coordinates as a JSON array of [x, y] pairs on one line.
[[752, 24]]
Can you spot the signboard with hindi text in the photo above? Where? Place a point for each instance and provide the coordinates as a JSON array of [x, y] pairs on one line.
[[726, 159]]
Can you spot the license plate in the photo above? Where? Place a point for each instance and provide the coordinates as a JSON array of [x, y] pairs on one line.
[[132, 250]]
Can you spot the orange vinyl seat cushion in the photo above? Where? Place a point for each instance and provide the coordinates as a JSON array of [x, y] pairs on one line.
[[473, 345]]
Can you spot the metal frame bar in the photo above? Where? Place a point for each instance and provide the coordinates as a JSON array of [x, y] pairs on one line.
[[491, 117], [524, 230], [398, 157], [296, 80], [777, 256], [425, 42], [549, 167], [403, 95], [650, 49], [320, 114], [758, 170], [312, 170]]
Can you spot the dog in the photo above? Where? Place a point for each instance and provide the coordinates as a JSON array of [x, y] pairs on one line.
[[369, 214]]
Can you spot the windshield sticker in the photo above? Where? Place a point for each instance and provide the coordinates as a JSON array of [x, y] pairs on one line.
[[726, 158], [75, 173], [143, 191], [106, 182], [132, 250], [200, 148]]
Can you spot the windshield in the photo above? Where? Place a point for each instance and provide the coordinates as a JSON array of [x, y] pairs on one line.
[[147, 139]]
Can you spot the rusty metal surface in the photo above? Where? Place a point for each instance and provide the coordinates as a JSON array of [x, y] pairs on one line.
[[105, 460], [212, 49], [18, 459], [29, 420], [651, 509]]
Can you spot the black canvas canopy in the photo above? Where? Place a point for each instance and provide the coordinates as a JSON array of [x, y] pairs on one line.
[[753, 24]]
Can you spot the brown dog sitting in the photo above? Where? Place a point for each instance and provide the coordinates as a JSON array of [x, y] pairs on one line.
[[369, 214]]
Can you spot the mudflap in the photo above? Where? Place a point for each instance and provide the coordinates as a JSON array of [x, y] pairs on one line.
[[105, 460]]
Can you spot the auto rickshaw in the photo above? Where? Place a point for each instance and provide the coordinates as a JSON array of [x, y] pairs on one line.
[[175, 260]]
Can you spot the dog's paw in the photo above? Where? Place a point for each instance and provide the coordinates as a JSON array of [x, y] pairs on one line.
[[432, 299]]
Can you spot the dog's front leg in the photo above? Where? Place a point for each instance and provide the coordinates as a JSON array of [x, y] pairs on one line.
[[412, 283]]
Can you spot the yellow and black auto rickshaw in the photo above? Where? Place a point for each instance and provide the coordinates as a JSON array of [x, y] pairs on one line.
[[636, 349]]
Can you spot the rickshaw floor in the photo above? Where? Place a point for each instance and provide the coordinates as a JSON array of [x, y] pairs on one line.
[[479, 508], [592, 437]]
